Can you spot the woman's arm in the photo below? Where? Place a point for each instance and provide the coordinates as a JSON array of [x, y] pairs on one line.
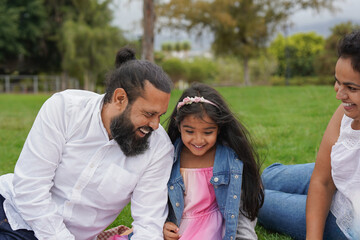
[[322, 188]]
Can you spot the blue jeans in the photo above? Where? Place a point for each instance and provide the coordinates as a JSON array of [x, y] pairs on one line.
[[6, 233], [286, 188]]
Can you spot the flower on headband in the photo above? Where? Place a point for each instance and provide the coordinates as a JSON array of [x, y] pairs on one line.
[[190, 100]]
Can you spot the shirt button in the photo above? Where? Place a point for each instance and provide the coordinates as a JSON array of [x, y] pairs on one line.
[[215, 186], [236, 176], [177, 204], [235, 197], [233, 216], [216, 179], [231, 238], [171, 187]]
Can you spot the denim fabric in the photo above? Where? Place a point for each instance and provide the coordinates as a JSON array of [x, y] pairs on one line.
[[286, 188], [227, 179], [6, 233]]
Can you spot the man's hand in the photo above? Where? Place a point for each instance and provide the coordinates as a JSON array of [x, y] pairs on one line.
[[171, 231]]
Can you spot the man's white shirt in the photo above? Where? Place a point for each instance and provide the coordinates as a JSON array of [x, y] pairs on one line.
[[71, 181]]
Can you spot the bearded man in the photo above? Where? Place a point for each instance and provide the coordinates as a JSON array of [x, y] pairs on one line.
[[88, 155]]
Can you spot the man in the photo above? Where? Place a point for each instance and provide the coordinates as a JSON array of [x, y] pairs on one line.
[[88, 155]]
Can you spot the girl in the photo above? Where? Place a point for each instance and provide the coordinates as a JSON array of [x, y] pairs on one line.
[[215, 189]]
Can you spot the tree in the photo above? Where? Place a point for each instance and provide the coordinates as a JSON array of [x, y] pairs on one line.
[[148, 25], [22, 28], [297, 52], [88, 43], [9, 32], [240, 27], [326, 60]]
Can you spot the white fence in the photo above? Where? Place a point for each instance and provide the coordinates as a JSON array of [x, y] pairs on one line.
[[36, 83]]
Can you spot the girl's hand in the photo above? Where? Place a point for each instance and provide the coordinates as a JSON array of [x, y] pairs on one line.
[[170, 231]]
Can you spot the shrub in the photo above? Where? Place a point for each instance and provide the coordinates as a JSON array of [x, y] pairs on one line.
[[175, 68], [230, 71], [201, 70]]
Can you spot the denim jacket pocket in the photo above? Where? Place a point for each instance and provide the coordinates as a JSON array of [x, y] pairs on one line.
[[221, 186], [220, 179]]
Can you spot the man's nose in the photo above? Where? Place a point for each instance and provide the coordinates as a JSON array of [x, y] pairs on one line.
[[154, 123]]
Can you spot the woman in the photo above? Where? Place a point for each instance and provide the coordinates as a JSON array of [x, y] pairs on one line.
[[332, 196]]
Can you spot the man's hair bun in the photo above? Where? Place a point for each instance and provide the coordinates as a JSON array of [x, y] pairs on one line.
[[123, 55]]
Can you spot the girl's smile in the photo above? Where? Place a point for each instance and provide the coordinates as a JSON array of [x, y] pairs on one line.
[[198, 134]]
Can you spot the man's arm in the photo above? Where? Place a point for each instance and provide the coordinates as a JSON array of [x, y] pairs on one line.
[[322, 188], [149, 200], [35, 171]]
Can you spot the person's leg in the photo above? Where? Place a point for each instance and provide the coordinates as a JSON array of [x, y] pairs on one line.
[[284, 213], [288, 178], [284, 206], [286, 188], [6, 233], [332, 231]]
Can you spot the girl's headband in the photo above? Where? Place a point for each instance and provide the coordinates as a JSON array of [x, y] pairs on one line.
[[190, 100]]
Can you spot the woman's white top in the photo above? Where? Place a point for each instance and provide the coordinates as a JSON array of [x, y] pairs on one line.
[[345, 171]]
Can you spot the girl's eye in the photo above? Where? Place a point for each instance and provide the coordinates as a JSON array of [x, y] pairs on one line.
[[188, 131], [208, 133]]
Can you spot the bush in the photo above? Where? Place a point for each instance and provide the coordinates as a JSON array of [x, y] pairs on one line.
[[262, 68], [201, 70], [230, 71], [301, 81], [277, 80], [175, 68]]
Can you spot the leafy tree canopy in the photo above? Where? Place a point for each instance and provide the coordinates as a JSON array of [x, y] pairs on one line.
[[297, 53], [240, 27]]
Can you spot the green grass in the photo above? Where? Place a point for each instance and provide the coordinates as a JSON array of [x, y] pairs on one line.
[[286, 123]]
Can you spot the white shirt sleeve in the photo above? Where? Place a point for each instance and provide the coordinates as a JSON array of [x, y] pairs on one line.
[[35, 171], [149, 199], [246, 227]]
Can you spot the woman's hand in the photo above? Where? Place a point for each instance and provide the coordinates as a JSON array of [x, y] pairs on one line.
[[170, 231]]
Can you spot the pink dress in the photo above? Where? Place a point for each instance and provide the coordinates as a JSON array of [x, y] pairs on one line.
[[201, 218]]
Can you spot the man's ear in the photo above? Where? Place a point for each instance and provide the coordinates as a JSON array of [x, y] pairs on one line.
[[120, 99]]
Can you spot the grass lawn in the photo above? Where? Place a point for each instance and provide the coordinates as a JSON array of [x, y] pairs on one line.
[[286, 123]]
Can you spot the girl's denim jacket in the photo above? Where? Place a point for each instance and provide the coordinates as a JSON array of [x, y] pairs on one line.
[[227, 179]]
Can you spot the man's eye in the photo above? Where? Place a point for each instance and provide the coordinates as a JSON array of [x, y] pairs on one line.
[[353, 89], [149, 114]]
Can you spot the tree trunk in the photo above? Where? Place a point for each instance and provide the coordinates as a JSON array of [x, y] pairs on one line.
[[148, 36], [86, 80], [64, 80], [247, 81]]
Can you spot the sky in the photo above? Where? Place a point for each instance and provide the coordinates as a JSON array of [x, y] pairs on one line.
[[128, 16]]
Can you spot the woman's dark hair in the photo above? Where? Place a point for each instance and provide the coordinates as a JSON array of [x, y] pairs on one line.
[[349, 47], [131, 74], [231, 133]]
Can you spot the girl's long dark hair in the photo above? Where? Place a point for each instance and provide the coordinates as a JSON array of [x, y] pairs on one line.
[[231, 133]]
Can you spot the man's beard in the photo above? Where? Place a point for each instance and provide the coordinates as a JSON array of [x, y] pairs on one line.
[[124, 133]]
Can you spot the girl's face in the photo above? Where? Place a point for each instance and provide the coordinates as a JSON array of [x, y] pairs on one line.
[[347, 87], [198, 135]]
